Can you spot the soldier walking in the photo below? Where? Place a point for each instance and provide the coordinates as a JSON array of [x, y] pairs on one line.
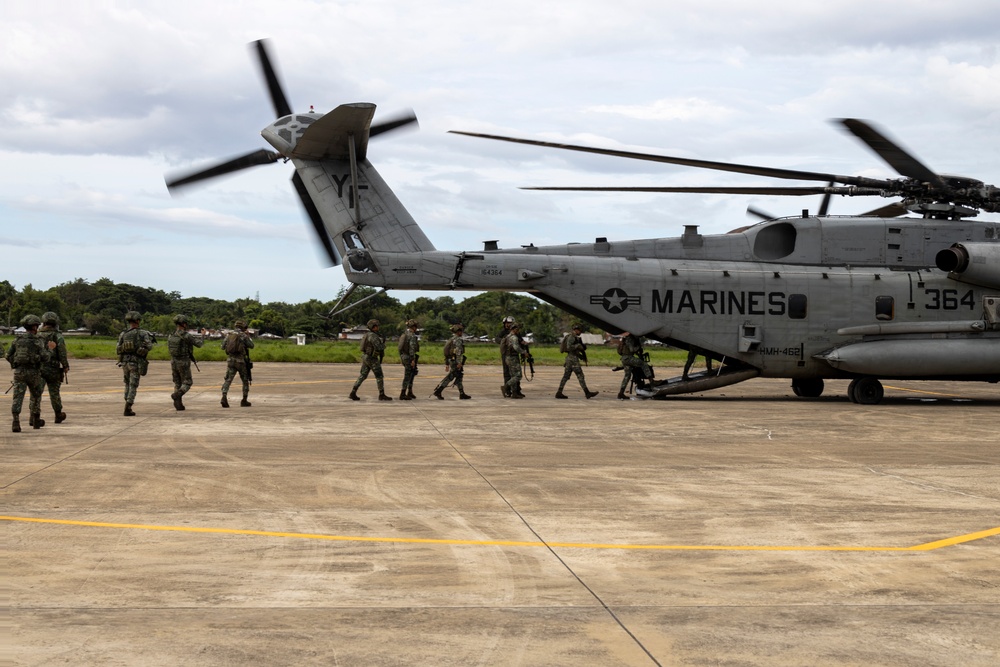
[[133, 346], [633, 362], [513, 350], [575, 350], [372, 353], [55, 371], [504, 332], [237, 345], [181, 344], [409, 348], [26, 355], [454, 361]]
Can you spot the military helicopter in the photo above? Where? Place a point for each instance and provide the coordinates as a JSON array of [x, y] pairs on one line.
[[813, 297]]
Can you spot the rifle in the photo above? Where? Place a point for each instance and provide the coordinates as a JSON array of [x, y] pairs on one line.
[[530, 360], [249, 364], [9, 388]]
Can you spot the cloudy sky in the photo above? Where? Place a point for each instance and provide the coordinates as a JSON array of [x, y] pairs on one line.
[[98, 100]]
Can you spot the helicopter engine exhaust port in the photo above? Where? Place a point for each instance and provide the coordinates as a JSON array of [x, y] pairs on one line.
[[975, 263]]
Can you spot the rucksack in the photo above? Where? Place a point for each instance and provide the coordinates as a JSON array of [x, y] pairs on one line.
[[504, 346], [233, 345], [366, 345], [621, 345], [26, 353], [175, 344], [449, 348], [564, 345], [404, 343]]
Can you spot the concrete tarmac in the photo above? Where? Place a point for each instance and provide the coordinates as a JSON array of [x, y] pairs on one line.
[[740, 527]]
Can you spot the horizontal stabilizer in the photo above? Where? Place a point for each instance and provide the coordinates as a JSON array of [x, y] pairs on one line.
[[329, 137]]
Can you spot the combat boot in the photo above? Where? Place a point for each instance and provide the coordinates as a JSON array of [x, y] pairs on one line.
[[31, 419], [590, 394], [37, 421], [622, 396], [403, 396], [60, 417], [437, 392], [559, 394], [225, 401], [15, 426], [383, 397], [410, 396], [177, 401], [245, 403], [128, 410], [354, 395], [464, 396], [505, 390]]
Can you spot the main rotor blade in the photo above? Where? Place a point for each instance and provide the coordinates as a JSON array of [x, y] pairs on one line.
[[755, 212], [404, 119], [724, 190], [281, 106], [258, 157], [316, 219], [897, 158], [893, 210], [790, 174]]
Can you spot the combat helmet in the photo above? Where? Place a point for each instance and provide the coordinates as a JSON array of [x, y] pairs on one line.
[[51, 319], [30, 321], [133, 316], [180, 319], [457, 327], [240, 324], [372, 324], [508, 320], [410, 324]]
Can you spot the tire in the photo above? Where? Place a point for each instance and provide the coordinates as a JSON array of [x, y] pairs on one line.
[[808, 387], [868, 391]]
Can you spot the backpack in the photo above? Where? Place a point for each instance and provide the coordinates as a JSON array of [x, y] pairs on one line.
[[564, 345], [175, 344], [449, 348], [233, 345], [366, 345], [621, 346], [404, 343], [25, 353], [504, 346]]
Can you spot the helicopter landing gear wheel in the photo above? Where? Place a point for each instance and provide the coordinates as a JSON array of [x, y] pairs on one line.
[[850, 390], [866, 391], [808, 387]]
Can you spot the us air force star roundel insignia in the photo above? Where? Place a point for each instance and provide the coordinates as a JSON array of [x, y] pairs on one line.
[[615, 300]]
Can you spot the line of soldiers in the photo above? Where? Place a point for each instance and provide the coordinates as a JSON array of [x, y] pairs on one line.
[[39, 362]]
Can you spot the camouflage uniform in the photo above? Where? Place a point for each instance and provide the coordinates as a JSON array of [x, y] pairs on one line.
[[372, 352], [574, 350], [633, 362], [181, 345], [55, 369], [455, 363], [133, 346], [514, 350], [409, 348], [237, 346], [26, 356], [504, 332]]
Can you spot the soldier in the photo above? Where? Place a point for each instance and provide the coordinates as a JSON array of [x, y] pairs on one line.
[[692, 355], [409, 347], [454, 361], [575, 350], [372, 353], [181, 344], [514, 350], [56, 370], [633, 362], [237, 345], [504, 332], [26, 356], [133, 346]]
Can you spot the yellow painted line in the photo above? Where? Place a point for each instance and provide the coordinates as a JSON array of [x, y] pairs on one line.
[[507, 543], [921, 391]]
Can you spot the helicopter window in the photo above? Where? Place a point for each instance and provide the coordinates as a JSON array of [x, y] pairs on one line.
[[797, 306], [305, 120], [353, 241], [885, 308], [775, 241]]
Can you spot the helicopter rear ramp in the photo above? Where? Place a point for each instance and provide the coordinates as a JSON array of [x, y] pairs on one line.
[[703, 381]]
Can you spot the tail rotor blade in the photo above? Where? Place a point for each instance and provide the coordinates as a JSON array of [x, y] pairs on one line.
[[281, 106], [253, 159], [316, 220], [387, 126]]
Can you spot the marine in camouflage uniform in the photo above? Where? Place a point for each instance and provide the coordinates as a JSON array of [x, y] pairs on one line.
[[181, 344], [409, 348], [56, 369], [133, 346], [454, 362], [237, 345], [514, 351], [372, 352], [633, 362], [575, 349], [26, 355], [504, 332]]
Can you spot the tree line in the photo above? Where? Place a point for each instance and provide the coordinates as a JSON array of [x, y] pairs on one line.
[[100, 307]]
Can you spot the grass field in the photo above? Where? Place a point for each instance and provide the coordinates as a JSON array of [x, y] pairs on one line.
[[346, 352]]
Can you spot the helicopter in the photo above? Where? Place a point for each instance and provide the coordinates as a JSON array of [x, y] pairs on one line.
[[809, 298]]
